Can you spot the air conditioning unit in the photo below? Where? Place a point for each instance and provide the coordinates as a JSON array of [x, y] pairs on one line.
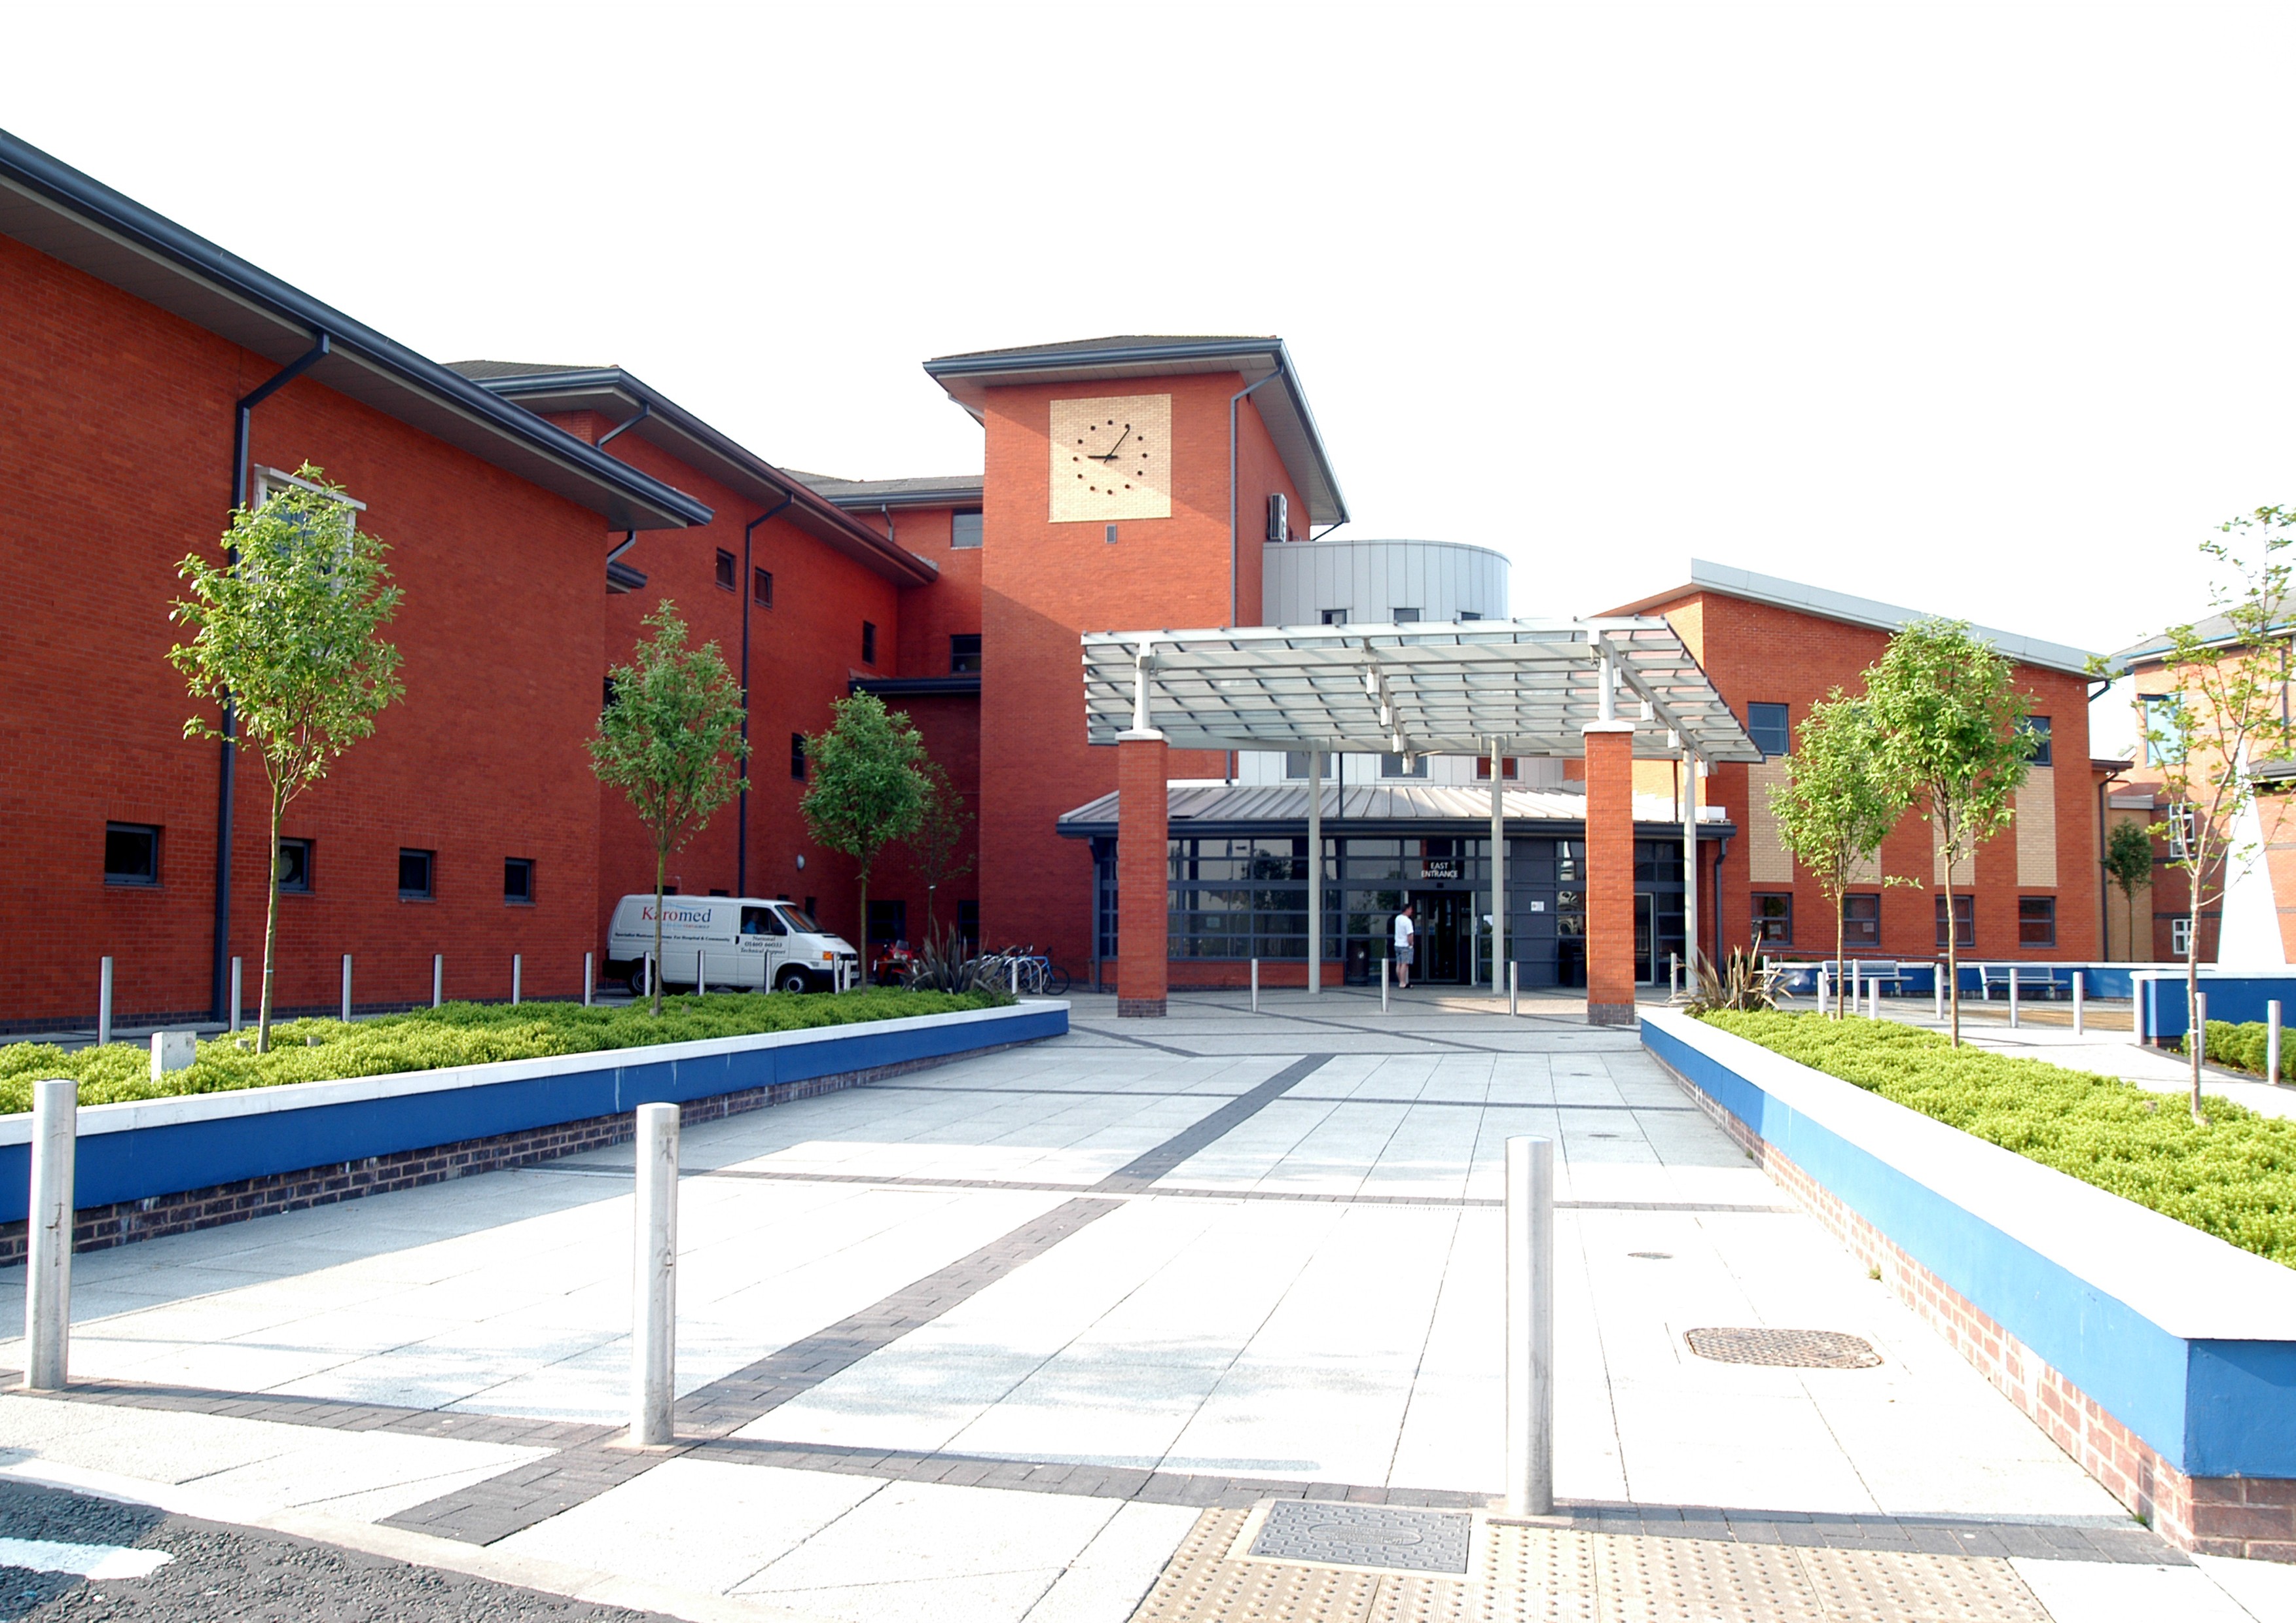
[[1279, 517]]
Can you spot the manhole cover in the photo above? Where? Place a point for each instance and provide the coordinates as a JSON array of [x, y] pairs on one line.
[[1795, 1348], [1365, 1536]]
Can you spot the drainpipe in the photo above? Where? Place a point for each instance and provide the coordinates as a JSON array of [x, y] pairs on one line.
[[1235, 554], [1721, 853], [885, 512], [741, 811], [219, 963]]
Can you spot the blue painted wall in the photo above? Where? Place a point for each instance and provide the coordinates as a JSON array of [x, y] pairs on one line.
[[161, 1161], [1919, 979], [2238, 998], [2212, 1408]]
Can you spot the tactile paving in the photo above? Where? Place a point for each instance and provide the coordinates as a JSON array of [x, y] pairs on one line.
[[1790, 1349], [1391, 1535], [1528, 1572]]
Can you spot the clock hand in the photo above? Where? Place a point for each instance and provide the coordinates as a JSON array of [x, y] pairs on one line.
[[1119, 446]]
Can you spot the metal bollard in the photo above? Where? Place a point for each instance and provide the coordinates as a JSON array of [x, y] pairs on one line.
[[1015, 967], [438, 979], [653, 1298], [1386, 979], [238, 1001], [517, 977], [2012, 997], [1874, 998], [1255, 985], [1936, 986], [1531, 1326], [1673, 974], [2198, 1037], [48, 1235], [589, 976], [1851, 975], [701, 973], [2272, 1040], [103, 1004], [347, 987], [2080, 994], [1822, 979], [1514, 986]]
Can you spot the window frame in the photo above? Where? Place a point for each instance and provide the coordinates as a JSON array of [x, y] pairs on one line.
[[1763, 935], [509, 865], [799, 763], [1508, 769], [761, 586], [2038, 728], [955, 530], [1761, 729], [1964, 913], [957, 654], [2180, 935], [429, 890], [303, 887], [1852, 934], [728, 575], [1392, 767], [147, 880], [2050, 904], [1333, 616], [869, 643]]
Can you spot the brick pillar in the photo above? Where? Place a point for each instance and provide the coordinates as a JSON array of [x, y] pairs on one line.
[[1143, 870], [1609, 873]]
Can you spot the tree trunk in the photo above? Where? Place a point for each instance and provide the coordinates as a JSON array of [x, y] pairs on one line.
[[2195, 1034], [270, 926], [1841, 953], [1952, 952], [653, 979], [861, 970]]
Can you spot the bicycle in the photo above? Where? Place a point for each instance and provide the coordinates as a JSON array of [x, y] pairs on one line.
[[1027, 969]]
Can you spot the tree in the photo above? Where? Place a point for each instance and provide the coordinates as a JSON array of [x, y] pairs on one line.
[[941, 824], [2222, 718], [867, 790], [1839, 802], [670, 739], [286, 643], [1954, 734], [2128, 863]]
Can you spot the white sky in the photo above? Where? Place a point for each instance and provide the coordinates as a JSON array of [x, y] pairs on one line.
[[1978, 309]]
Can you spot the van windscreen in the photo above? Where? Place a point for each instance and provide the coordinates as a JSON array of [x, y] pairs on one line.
[[800, 920]]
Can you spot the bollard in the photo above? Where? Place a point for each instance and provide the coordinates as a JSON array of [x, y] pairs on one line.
[[1822, 980], [2012, 997], [48, 1235], [1531, 1326], [1255, 985], [173, 1051], [1673, 974], [1514, 986], [103, 1004], [701, 973], [238, 1002], [2081, 993], [653, 1300], [2196, 1038], [589, 970], [2137, 988], [438, 979], [1386, 979], [347, 987], [517, 977], [1936, 986], [1851, 975], [1874, 998], [2272, 1040]]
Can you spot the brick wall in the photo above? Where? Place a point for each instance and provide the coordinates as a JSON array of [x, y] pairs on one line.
[[1141, 871], [1611, 876]]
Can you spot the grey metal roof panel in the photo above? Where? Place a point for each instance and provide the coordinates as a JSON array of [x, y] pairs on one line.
[[655, 417], [1385, 800], [1803, 598], [942, 490], [1291, 424], [71, 216], [2215, 630]]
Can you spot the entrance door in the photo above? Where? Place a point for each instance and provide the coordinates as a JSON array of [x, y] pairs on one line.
[[1645, 937], [1443, 942]]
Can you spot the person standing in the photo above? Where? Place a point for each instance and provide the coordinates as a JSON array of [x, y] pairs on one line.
[[1406, 934]]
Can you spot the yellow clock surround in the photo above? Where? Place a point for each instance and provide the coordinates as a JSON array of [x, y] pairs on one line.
[[1112, 458]]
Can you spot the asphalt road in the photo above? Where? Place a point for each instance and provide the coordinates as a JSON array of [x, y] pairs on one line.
[[225, 1572]]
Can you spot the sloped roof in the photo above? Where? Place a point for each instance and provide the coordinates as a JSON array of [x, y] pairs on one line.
[[930, 490], [1381, 800]]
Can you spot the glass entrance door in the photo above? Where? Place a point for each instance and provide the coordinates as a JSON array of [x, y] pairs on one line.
[[1645, 937], [1444, 942]]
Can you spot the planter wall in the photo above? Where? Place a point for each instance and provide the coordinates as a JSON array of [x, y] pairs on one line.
[[2161, 1359], [200, 1159]]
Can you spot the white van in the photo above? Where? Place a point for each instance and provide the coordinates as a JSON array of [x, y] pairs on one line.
[[736, 941]]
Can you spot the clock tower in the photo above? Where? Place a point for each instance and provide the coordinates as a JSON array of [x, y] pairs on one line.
[[1127, 482]]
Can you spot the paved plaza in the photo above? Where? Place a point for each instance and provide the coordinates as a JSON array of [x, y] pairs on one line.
[[1029, 1336]]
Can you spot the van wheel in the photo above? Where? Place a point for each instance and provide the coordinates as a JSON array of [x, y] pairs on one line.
[[795, 981], [637, 978]]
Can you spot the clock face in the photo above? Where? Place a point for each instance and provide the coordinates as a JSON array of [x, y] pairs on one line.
[[1112, 458]]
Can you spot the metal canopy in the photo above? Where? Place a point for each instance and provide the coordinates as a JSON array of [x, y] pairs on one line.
[[1526, 687]]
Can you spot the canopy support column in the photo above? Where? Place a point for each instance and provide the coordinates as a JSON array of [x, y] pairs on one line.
[[1314, 871], [1609, 747], [1498, 875], [1142, 875], [1690, 865]]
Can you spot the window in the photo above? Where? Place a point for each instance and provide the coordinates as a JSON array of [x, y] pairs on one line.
[[965, 527], [2036, 729], [1861, 919], [295, 865], [271, 481], [518, 880], [762, 922], [761, 588], [868, 643], [888, 921], [131, 854], [1404, 617], [1483, 766], [1395, 766], [964, 653], [803, 919], [797, 755], [1766, 724], [2164, 736], [1335, 617], [1965, 922], [1469, 614], [2037, 921], [2180, 935], [1773, 920], [2180, 833], [968, 925], [415, 874], [1295, 763], [728, 577]]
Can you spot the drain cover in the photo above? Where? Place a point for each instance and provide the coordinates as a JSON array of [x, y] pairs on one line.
[[1365, 1536], [1795, 1348]]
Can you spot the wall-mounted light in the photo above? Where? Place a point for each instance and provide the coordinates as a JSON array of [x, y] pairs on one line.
[[800, 862]]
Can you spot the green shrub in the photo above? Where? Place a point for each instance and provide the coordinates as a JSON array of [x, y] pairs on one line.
[[459, 1034], [2241, 1048], [2234, 1178]]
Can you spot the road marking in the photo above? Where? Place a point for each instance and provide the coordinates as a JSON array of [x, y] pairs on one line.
[[98, 1563]]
